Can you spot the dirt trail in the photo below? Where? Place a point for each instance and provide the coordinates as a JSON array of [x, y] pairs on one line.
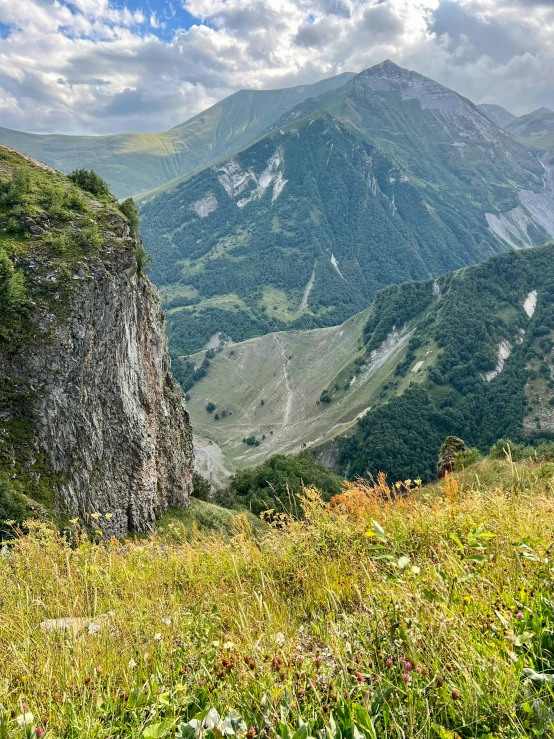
[[288, 403]]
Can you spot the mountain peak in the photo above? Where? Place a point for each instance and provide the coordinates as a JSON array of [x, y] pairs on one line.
[[388, 77], [385, 68], [386, 63]]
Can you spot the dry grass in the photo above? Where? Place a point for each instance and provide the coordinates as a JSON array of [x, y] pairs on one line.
[[314, 621]]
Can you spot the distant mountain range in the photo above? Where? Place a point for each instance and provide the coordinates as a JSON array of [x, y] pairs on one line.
[[535, 130], [387, 178], [497, 114], [299, 237], [135, 162]]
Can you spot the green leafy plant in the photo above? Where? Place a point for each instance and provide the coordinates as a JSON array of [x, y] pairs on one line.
[[88, 180], [474, 546], [127, 207]]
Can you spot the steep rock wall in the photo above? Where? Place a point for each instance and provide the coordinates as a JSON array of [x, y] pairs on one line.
[[94, 382], [109, 414]]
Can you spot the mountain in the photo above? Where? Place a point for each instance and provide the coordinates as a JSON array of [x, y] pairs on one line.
[[536, 129], [469, 354], [388, 178], [135, 162], [497, 114], [479, 363], [91, 418]]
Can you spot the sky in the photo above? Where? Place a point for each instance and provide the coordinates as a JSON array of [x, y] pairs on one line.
[[108, 66]]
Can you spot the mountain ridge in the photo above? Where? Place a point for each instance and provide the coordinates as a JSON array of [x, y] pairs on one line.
[[136, 162], [497, 114], [436, 184], [535, 129]]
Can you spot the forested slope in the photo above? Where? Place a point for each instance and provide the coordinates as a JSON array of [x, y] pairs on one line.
[[480, 358]]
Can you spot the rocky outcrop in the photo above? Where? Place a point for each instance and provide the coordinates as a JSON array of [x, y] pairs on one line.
[[108, 419], [109, 414], [447, 455]]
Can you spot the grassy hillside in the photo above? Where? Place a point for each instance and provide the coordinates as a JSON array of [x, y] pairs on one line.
[[535, 130], [302, 228], [430, 616], [482, 348], [202, 516], [288, 371], [469, 354], [134, 162]]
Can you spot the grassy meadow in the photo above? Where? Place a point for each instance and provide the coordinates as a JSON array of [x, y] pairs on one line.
[[288, 371], [428, 614]]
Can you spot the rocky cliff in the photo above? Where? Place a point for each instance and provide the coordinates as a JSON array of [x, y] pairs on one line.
[[91, 419]]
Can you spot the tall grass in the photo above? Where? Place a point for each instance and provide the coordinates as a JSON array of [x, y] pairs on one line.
[[424, 615]]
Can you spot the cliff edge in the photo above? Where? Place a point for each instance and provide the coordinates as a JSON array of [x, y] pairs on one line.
[[91, 418]]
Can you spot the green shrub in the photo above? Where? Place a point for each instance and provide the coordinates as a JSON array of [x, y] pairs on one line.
[[143, 259], [59, 201], [57, 243], [88, 238], [13, 291], [545, 452], [466, 458], [210, 407], [88, 180], [504, 448], [127, 207], [200, 487], [277, 482], [16, 191]]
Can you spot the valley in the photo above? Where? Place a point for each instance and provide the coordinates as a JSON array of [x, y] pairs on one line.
[[467, 354], [377, 181], [311, 246], [270, 387]]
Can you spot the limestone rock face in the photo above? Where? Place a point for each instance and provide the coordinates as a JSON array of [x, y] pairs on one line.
[[109, 415], [447, 455], [89, 409]]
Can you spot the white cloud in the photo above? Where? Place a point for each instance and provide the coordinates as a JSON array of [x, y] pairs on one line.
[[99, 68]]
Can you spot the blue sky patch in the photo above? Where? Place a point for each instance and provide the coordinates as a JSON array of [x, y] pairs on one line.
[[5, 30], [162, 17]]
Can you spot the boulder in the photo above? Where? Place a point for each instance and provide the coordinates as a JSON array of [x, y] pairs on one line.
[[447, 455]]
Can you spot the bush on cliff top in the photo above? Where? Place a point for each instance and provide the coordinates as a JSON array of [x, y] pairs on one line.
[[12, 511], [88, 180]]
